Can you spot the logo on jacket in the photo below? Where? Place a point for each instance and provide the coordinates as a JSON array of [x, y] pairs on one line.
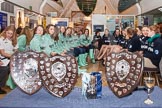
[[156, 52]]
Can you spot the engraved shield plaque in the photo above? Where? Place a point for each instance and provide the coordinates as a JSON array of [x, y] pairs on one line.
[[24, 71], [123, 72], [59, 74]]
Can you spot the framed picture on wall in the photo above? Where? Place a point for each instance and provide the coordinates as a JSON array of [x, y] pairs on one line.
[[98, 28], [77, 18], [12, 20]]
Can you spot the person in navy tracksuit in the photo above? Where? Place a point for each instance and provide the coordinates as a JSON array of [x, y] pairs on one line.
[[107, 40], [144, 38], [133, 44], [154, 50], [118, 37], [96, 42]]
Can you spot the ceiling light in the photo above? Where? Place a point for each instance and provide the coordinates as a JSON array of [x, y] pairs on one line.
[[160, 9], [1, 1]]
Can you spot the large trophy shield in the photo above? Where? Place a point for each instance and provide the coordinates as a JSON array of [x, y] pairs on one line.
[[59, 74], [24, 71], [123, 72]]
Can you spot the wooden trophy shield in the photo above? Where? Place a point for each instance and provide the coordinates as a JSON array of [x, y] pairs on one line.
[[123, 72], [59, 74], [160, 66], [24, 71]]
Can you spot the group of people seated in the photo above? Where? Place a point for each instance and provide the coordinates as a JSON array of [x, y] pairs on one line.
[[146, 40], [53, 40]]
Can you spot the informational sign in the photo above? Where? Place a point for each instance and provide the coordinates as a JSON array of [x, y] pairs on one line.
[[61, 23], [3, 21], [98, 28], [111, 25], [112, 22]]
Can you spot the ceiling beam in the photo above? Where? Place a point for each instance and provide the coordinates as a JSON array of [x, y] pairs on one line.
[[54, 5], [108, 4], [113, 8], [66, 8]]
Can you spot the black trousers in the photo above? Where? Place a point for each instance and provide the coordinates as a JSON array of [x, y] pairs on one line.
[[4, 72]]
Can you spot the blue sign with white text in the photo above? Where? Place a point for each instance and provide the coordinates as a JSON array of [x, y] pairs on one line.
[[61, 23], [3, 21]]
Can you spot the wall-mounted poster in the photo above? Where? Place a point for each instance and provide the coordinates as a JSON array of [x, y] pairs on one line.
[[127, 21], [3, 21], [77, 17], [111, 23], [33, 23], [145, 21], [98, 28], [12, 20], [60, 21]]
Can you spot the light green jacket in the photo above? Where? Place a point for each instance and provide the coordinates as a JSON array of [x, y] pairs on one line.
[[84, 41], [48, 43], [21, 40], [36, 43]]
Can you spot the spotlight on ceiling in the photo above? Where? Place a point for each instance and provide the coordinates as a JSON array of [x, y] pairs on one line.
[[160, 9]]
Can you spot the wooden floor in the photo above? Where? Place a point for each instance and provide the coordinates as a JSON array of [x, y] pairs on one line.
[[90, 68]]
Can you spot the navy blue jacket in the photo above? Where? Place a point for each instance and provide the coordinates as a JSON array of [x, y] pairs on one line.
[[154, 51], [134, 44], [106, 40], [144, 43], [97, 39]]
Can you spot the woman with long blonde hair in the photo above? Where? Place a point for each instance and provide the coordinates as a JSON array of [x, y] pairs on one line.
[[8, 42], [8, 45]]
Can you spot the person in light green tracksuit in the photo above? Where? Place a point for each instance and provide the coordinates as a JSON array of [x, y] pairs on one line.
[[24, 39], [86, 42], [47, 40], [79, 53], [62, 33], [88, 45], [50, 41], [36, 42], [61, 36], [81, 50], [58, 45], [68, 41]]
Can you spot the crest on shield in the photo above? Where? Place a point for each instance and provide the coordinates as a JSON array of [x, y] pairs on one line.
[[58, 70], [24, 71], [58, 73], [122, 69], [123, 72]]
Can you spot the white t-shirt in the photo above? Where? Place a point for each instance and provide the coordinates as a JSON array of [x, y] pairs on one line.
[[6, 44]]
